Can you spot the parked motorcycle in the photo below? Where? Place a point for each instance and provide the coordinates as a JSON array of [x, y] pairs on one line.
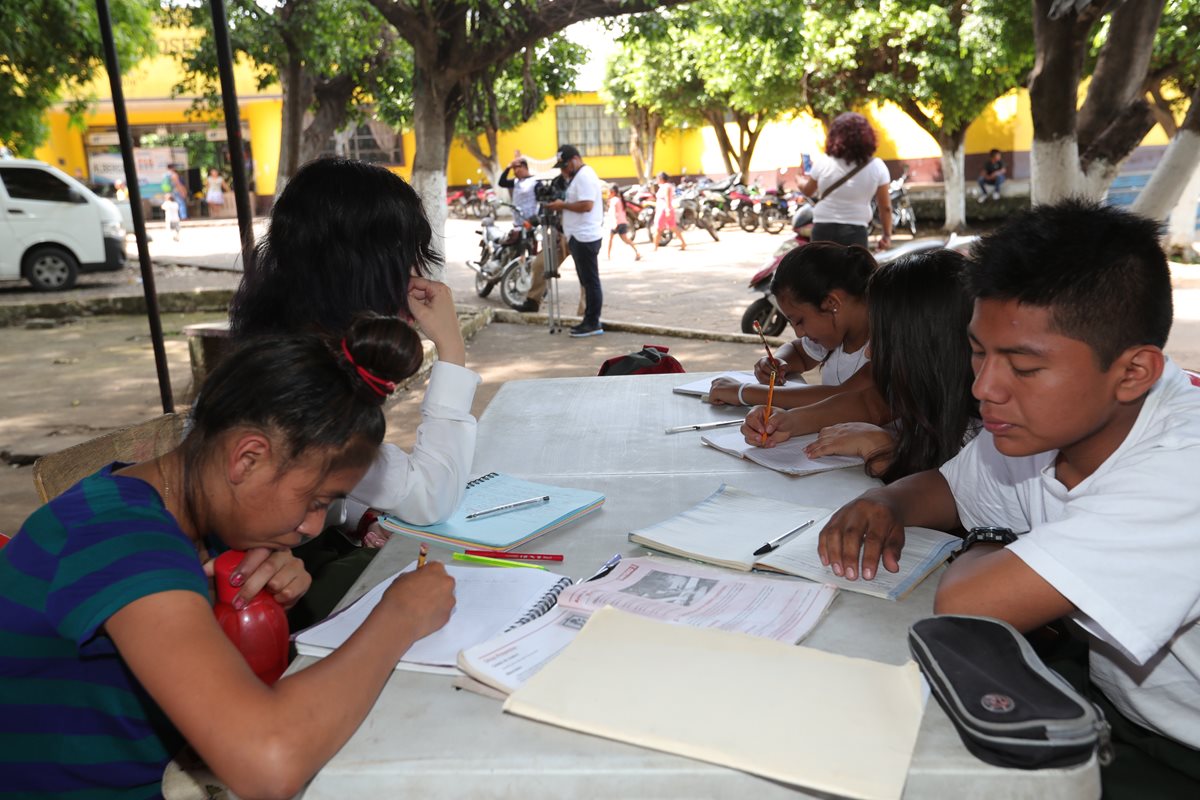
[[687, 209], [480, 200], [902, 213], [714, 205], [741, 205], [498, 250], [772, 211], [518, 273], [639, 212], [456, 202]]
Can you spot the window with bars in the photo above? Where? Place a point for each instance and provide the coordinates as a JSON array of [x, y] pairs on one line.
[[363, 145], [593, 130]]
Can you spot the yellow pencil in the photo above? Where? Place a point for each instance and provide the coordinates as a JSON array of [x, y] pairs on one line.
[[422, 554], [767, 413]]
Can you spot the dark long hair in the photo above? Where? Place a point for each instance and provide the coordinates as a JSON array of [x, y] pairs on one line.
[[344, 237], [851, 138], [920, 358], [305, 392], [810, 272]]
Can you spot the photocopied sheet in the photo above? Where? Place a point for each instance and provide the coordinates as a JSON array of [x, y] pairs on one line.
[[488, 600], [832, 723], [663, 589], [788, 458]]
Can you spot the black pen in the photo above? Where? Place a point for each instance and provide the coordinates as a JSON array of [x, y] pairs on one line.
[[778, 540]]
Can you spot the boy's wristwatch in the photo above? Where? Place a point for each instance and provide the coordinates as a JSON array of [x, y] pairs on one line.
[[986, 535]]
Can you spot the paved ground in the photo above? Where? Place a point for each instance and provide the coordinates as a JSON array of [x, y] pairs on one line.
[[73, 381]]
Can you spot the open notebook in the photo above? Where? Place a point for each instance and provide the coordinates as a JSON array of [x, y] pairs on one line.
[[788, 458], [488, 601], [730, 524], [839, 725], [700, 388], [507, 530], [659, 588]]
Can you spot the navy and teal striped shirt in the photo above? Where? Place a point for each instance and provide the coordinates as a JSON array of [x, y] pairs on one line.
[[74, 721]]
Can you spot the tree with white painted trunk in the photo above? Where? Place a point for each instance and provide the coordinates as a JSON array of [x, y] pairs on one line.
[[1172, 191], [1078, 149], [942, 63], [455, 41]]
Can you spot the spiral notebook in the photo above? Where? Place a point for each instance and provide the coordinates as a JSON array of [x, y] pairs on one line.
[[489, 601], [506, 530]]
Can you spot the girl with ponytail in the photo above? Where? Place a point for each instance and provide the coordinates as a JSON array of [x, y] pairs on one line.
[[114, 603]]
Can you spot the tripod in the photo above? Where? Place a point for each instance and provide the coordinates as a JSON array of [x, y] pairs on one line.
[[550, 262]]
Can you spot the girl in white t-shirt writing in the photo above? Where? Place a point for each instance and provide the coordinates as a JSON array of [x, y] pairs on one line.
[[822, 289]]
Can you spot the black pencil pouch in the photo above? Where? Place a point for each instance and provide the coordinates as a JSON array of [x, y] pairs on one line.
[[1010, 709]]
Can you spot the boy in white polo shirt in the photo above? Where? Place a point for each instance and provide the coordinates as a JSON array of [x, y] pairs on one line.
[[1090, 454]]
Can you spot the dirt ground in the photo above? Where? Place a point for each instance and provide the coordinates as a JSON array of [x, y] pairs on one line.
[[71, 382]]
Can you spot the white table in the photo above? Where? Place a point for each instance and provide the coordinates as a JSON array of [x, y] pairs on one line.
[[424, 739]]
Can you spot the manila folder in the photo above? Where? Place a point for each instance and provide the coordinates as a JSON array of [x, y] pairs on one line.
[[794, 714]]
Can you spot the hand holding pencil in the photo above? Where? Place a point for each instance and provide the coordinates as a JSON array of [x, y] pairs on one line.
[[765, 429]]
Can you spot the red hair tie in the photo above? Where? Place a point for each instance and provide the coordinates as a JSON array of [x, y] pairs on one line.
[[378, 385]]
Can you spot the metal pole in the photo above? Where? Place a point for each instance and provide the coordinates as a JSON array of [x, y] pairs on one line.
[[233, 129], [135, 204]]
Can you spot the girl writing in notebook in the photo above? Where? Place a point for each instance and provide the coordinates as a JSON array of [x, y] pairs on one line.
[[105, 598], [822, 289], [920, 365]]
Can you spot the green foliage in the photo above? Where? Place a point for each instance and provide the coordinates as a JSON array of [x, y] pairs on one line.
[[943, 62], [50, 49], [505, 95], [325, 39], [712, 56], [1176, 59]]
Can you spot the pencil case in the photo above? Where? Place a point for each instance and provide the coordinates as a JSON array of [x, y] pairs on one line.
[[1010, 709]]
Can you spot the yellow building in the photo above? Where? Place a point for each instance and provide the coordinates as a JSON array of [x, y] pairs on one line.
[[165, 131]]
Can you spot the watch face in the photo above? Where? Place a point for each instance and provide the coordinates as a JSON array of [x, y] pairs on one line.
[[989, 532]]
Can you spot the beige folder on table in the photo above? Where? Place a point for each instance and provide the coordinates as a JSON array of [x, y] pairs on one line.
[[794, 714]]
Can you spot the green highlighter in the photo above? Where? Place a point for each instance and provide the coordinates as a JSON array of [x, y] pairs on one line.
[[495, 562]]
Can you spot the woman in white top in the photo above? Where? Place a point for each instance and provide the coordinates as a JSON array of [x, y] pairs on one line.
[[215, 195], [844, 211], [347, 237]]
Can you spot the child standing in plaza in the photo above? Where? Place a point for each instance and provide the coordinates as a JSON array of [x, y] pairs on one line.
[[170, 209], [664, 213], [618, 222], [1087, 463]]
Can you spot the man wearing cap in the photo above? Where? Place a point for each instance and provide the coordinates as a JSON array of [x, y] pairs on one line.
[[583, 225], [521, 184]]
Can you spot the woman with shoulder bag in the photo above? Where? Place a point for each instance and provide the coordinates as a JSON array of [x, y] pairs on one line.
[[844, 181]]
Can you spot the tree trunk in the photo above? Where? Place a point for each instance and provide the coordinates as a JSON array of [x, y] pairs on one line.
[[296, 86], [332, 99], [717, 120], [1181, 224], [747, 138], [1173, 183], [954, 180], [435, 106], [488, 160], [635, 146], [1053, 97]]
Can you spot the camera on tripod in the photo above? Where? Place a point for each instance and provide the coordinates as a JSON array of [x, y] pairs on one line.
[[547, 190]]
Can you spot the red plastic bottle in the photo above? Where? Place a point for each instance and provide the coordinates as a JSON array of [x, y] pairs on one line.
[[259, 630]]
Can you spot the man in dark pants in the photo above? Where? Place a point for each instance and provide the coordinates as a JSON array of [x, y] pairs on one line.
[[583, 225]]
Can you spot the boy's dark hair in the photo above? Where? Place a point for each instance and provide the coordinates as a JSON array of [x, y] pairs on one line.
[[1099, 270], [305, 390], [920, 357], [811, 271], [344, 237]]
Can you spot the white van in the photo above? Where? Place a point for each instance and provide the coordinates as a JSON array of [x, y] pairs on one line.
[[52, 227]]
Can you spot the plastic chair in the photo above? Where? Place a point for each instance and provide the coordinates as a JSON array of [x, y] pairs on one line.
[[53, 474]]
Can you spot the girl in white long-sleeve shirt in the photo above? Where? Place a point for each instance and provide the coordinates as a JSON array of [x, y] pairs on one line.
[[347, 237]]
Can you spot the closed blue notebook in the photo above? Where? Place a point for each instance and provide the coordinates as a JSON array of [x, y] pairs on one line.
[[506, 530]]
